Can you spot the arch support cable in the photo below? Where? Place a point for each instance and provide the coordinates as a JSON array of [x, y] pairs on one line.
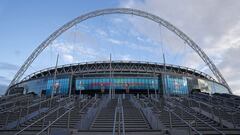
[[130, 11]]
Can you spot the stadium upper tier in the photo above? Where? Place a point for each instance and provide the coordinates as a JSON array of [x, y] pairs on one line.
[[122, 76]]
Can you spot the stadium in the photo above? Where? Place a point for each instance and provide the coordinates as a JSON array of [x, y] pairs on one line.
[[120, 77], [119, 97]]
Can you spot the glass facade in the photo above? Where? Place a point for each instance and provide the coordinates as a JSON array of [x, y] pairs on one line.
[[211, 87], [173, 84], [118, 83], [35, 86], [46, 84], [176, 85], [61, 86]]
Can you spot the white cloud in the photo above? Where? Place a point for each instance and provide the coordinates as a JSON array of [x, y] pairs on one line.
[[115, 41], [102, 32], [214, 25], [68, 58], [64, 50], [126, 57]]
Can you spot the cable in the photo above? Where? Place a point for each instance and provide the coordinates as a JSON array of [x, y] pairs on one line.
[[161, 43]]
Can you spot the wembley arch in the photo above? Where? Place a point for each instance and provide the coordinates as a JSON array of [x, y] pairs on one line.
[[130, 11]]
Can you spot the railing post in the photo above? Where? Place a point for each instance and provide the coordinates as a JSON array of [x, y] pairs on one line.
[[119, 121], [7, 118], [19, 118], [123, 123], [195, 121], [68, 121], [114, 123], [233, 120], [39, 107], [212, 112], [49, 129], [220, 119], [43, 120], [190, 131], [170, 119]]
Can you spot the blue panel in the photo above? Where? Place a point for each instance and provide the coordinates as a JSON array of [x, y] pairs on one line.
[[176, 85], [62, 88], [118, 83]]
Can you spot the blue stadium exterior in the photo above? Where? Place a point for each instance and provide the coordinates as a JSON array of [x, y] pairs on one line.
[[126, 76]]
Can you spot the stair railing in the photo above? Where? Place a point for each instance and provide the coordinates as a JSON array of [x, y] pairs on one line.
[[54, 110], [179, 105], [191, 128], [219, 109], [48, 128], [119, 112]]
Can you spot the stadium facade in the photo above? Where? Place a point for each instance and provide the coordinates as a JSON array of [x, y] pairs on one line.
[[120, 76], [117, 97]]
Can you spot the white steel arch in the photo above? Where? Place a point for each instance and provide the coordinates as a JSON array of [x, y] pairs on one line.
[[135, 12]]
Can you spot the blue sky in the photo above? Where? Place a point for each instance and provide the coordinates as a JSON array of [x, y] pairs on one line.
[[25, 24]]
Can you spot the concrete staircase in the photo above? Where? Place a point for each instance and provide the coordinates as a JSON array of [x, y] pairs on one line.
[[133, 118], [202, 123], [104, 120]]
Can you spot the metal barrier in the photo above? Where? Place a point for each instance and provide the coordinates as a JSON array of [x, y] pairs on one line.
[[13, 103], [151, 117], [120, 114], [52, 111], [191, 128], [48, 128], [92, 113], [27, 108], [222, 112], [179, 106]]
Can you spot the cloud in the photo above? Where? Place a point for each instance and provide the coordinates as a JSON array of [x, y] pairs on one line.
[[229, 66], [8, 66], [101, 32], [3, 89], [68, 58], [64, 49], [214, 25], [115, 41], [126, 57], [4, 80]]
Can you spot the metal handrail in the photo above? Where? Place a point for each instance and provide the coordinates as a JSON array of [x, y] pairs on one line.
[[119, 109], [196, 117], [8, 96], [51, 111], [15, 100], [217, 106], [123, 123], [168, 110], [26, 106], [114, 122], [229, 117], [191, 127], [218, 98], [68, 111]]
